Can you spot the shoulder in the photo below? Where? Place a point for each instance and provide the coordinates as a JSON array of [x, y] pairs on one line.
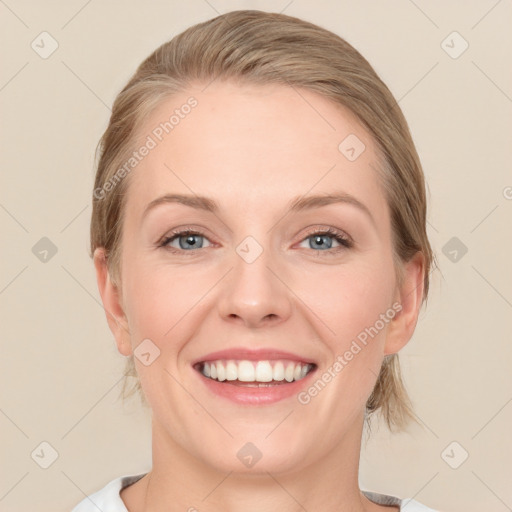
[[108, 497], [405, 504]]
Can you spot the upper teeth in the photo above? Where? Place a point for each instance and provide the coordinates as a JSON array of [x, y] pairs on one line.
[[255, 371]]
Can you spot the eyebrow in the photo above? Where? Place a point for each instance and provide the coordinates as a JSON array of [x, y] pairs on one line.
[[297, 204]]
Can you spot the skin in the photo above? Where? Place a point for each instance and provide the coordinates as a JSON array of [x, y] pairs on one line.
[[253, 149]]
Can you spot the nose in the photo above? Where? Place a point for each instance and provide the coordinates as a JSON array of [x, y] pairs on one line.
[[255, 293]]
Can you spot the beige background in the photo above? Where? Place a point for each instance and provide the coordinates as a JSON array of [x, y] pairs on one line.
[[60, 371]]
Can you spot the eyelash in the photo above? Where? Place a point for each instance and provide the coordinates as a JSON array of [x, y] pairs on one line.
[[345, 241]]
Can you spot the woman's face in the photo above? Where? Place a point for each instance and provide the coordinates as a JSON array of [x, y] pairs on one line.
[[254, 276]]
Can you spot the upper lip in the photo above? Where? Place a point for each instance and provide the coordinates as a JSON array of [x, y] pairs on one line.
[[263, 354]]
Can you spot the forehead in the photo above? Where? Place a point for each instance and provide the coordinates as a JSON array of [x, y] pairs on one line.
[[242, 144]]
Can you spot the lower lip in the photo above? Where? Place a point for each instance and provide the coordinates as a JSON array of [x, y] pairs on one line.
[[255, 395]]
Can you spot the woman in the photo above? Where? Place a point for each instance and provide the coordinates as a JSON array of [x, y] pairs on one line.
[[259, 239]]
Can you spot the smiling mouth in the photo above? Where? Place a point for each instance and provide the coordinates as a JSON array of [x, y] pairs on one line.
[[263, 373]]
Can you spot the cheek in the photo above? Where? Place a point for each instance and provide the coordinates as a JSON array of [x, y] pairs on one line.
[[356, 306], [351, 297], [163, 301], [355, 303]]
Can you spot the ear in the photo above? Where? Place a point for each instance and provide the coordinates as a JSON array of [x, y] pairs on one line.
[[409, 296], [110, 296]]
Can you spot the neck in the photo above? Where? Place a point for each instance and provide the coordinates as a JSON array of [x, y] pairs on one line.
[[180, 481]]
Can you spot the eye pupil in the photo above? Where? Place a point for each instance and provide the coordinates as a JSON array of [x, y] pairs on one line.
[[321, 241], [189, 239]]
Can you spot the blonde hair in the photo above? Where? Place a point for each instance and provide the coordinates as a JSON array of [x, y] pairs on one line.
[[258, 47]]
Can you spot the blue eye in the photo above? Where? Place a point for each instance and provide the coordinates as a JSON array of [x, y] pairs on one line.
[[320, 239], [187, 239], [190, 239]]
